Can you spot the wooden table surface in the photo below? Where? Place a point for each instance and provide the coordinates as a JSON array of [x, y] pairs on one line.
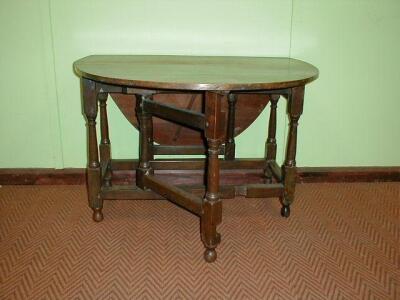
[[228, 73]]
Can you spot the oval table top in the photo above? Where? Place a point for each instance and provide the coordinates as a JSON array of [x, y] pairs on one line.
[[227, 73]]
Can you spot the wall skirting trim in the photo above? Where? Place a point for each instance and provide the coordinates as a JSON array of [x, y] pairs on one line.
[[76, 176]]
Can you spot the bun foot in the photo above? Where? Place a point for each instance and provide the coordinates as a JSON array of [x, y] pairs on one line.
[[210, 255], [285, 211], [97, 215]]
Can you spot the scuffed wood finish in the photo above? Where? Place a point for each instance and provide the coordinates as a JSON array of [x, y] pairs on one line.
[[201, 73]]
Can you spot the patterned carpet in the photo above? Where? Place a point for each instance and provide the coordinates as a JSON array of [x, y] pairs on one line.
[[342, 241]]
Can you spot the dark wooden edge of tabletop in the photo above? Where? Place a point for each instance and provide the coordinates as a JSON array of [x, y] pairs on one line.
[[77, 176]]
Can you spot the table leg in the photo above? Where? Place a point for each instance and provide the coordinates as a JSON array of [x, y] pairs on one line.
[[270, 143], [150, 135], [295, 109], [145, 143], [212, 205], [105, 145], [93, 167], [230, 138]]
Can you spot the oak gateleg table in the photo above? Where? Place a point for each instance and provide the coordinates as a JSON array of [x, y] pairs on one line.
[[216, 83]]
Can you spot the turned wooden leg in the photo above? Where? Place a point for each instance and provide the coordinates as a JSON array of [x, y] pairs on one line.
[[270, 143], [93, 167], [145, 143], [150, 135], [105, 145], [230, 136], [212, 205], [295, 109]]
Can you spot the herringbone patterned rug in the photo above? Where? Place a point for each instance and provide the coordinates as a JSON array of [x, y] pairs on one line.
[[341, 242]]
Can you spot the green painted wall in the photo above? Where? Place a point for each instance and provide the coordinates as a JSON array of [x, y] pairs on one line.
[[350, 115]]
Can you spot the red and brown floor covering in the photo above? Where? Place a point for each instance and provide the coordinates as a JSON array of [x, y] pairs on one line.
[[341, 242]]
